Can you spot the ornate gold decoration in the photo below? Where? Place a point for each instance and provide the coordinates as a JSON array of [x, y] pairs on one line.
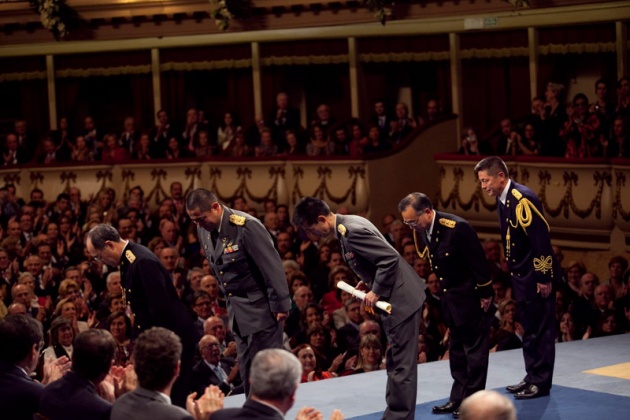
[[69, 178], [617, 205], [104, 71], [127, 175], [207, 65], [425, 252], [567, 203], [454, 199], [192, 173], [13, 178], [36, 178], [130, 256], [524, 176], [103, 176], [21, 76], [404, 57], [303, 60], [578, 48], [342, 229], [517, 194], [157, 175], [322, 191], [245, 173], [523, 212], [543, 264]]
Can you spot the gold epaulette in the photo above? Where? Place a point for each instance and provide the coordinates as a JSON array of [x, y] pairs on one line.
[[517, 194], [447, 222], [237, 220], [130, 256], [342, 229]]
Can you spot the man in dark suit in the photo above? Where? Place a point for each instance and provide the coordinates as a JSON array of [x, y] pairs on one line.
[[275, 376], [457, 259], [533, 267], [75, 395], [249, 271], [214, 370], [21, 337], [156, 356], [283, 118], [384, 275], [149, 291]]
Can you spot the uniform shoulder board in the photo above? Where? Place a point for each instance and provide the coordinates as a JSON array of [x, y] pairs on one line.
[[342, 229], [237, 220], [447, 222], [130, 256], [516, 194]]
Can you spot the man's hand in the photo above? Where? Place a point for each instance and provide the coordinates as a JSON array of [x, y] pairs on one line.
[[362, 287], [485, 303], [308, 413], [211, 401], [281, 316], [55, 369], [544, 289], [230, 349], [370, 299]]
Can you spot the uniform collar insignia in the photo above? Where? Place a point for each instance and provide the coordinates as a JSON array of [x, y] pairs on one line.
[[447, 222], [342, 230], [237, 220], [517, 194], [130, 256]]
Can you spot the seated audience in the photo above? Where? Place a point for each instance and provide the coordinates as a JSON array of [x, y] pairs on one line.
[[119, 325], [487, 405], [311, 370], [212, 369]]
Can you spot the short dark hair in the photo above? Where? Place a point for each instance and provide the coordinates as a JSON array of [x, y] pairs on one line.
[[307, 210], [200, 199], [198, 294], [62, 196], [418, 201], [102, 233], [18, 333], [618, 259], [493, 165], [92, 354], [155, 357]]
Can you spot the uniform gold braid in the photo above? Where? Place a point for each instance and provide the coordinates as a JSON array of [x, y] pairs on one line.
[[524, 214], [424, 254]]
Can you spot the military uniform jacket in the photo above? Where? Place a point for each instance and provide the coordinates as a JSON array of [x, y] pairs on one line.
[[249, 271], [149, 291], [458, 260], [525, 234], [380, 267]]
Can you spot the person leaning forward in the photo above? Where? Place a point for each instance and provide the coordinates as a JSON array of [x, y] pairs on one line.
[[249, 271], [453, 249]]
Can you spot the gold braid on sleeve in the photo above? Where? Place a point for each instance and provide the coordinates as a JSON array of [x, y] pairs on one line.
[[524, 214]]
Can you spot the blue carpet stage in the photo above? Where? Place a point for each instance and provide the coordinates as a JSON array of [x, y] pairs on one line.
[[591, 381]]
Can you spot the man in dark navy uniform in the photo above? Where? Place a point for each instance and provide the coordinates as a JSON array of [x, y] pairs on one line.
[[533, 268], [384, 275], [149, 291], [249, 271], [453, 249]]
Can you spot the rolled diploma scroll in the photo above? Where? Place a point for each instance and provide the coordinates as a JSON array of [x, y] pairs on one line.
[[382, 305]]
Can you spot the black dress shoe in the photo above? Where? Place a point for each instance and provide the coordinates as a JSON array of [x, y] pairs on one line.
[[531, 392], [517, 388], [447, 408], [456, 414]]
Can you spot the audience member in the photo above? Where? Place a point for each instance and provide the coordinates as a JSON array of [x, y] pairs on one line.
[[487, 405]]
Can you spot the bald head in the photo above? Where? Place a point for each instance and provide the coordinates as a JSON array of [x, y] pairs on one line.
[[487, 405]]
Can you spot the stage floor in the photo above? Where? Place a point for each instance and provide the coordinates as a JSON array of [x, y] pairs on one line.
[[591, 381]]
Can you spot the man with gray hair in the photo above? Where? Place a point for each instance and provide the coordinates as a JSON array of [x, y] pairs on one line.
[[274, 378], [487, 405]]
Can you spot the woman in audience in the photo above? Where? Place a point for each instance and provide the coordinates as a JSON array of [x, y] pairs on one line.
[[68, 232], [470, 142], [311, 316], [119, 324], [357, 141], [607, 324], [174, 150], [619, 144], [67, 309], [113, 152], [294, 146], [375, 143], [331, 300], [61, 337], [227, 131], [143, 148], [203, 149], [319, 338], [574, 272], [370, 356], [528, 144], [320, 144], [267, 146], [566, 330], [81, 152], [507, 337], [311, 370], [238, 148]]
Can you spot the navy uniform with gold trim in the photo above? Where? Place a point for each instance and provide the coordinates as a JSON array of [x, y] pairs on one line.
[[530, 258], [459, 262], [252, 279], [149, 291], [381, 268]]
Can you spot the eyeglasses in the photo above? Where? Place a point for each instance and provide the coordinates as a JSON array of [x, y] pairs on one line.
[[411, 223], [210, 346], [98, 257]]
